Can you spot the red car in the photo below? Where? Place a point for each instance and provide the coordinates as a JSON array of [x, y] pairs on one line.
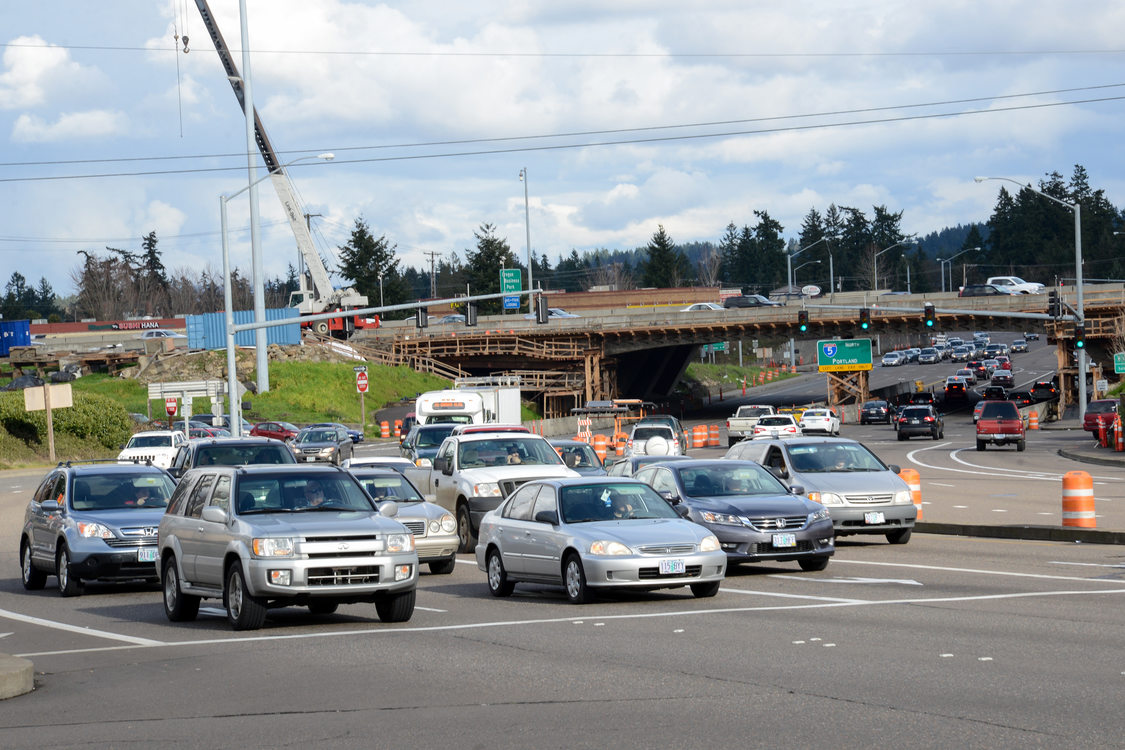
[[1099, 413], [275, 430]]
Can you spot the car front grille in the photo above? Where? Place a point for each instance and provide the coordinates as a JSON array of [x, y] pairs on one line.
[[666, 549], [327, 547], [781, 522], [360, 575], [869, 499], [766, 548], [138, 536], [508, 486], [417, 528], [648, 574]]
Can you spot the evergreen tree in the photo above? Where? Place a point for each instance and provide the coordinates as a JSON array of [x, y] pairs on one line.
[[667, 266], [371, 264], [484, 264]]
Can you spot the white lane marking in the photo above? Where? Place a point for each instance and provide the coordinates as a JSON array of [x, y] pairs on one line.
[[4, 635], [383, 630], [430, 609], [1088, 565], [216, 611], [76, 629], [942, 484], [788, 596], [903, 581], [986, 470], [944, 569]]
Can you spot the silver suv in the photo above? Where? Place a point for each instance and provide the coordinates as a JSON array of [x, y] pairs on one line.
[[259, 537]]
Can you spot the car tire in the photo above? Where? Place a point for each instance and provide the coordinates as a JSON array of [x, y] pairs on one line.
[[498, 583], [574, 579], [321, 327], [1021, 445], [731, 442], [902, 536], [705, 590], [178, 606], [69, 584], [901, 436], [244, 610], [810, 564], [396, 607], [33, 578], [323, 606], [980, 445], [468, 540], [443, 567]]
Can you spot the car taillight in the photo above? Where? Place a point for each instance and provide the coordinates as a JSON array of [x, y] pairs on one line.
[[928, 419]]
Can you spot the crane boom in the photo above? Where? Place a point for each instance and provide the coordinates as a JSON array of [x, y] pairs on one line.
[[321, 297]]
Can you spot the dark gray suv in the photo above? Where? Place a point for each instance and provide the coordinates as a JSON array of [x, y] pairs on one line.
[[230, 451]]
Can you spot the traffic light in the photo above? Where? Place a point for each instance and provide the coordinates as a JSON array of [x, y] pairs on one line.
[[1079, 336], [803, 320], [1054, 307], [864, 318], [470, 313], [929, 316], [421, 317]]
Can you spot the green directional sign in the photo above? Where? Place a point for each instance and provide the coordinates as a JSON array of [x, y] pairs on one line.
[[843, 355], [1119, 362], [511, 282], [719, 346]]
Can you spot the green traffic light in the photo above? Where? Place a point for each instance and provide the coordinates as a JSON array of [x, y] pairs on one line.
[[929, 324], [863, 326]]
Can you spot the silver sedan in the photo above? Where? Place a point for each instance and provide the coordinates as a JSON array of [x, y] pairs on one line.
[[434, 528], [589, 533]]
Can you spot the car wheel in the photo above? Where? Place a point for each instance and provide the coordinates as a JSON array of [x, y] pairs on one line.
[[934, 435], [941, 435], [396, 607], [705, 590], [323, 606], [69, 584], [813, 563], [574, 578], [244, 611], [902, 536], [1021, 445], [980, 445], [33, 578], [321, 327], [443, 567], [465, 530], [178, 606], [498, 583], [901, 436]]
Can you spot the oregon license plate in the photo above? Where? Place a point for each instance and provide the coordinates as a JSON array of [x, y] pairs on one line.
[[310, 458], [874, 517], [672, 567], [785, 540], [146, 554]]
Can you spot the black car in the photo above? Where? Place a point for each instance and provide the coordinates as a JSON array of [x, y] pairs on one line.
[[1021, 398], [749, 300], [1044, 390], [329, 444], [355, 435], [229, 451], [875, 411], [423, 442], [920, 420], [993, 393], [982, 290]]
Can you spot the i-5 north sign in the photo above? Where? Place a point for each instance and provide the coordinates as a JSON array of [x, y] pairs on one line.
[[843, 355]]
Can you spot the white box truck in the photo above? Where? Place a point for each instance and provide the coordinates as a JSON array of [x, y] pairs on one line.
[[500, 394]]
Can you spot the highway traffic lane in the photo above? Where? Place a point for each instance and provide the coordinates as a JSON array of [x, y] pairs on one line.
[[933, 642]]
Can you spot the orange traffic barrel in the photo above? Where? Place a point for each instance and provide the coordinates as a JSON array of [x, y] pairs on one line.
[[1033, 420], [385, 429], [398, 428], [600, 446], [914, 481], [699, 436], [1078, 500], [713, 436], [619, 439]]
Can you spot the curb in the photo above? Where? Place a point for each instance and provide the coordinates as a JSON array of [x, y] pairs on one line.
[[1027, 533], [17, 676], [1087, 459]]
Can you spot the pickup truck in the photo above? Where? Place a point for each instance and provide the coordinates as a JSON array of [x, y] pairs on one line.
[[1000, 423], [473, 473], [1016, 284], [741, 424]]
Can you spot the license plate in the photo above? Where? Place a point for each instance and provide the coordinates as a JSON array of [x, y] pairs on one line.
[[785, 540], [874, 518], [310, 458], [146, 554], [672, 567]]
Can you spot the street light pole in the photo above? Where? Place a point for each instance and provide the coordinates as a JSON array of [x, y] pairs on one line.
[[1080, 313], [789, 284], [234, 402], [875, 274], [949, 261], [527, 226]]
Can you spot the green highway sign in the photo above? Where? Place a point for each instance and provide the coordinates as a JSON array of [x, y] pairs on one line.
[[843, 355], [719, 346], [511, 281], [1119, 362]]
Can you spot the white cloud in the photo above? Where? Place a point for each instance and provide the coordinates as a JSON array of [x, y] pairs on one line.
[[74, 126], [34, 71]]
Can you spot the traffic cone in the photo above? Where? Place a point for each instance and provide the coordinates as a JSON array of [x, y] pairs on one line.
[[1033, 421]]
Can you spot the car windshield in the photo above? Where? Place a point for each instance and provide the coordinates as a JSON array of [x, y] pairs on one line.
[[293, 493], [1101, 407], [651, 431], [754, 411], [239, 455], [612, 501], [119, 491], [999, 410], [150, 441], [432, 438], [317, 436], [386, 487], [507, 450], [875, 405], [775, 421], [736, 479], [830, 457], [578, 455]]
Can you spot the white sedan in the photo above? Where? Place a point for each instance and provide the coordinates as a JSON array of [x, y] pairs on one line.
[[703, 307], [820, 420], [777, 426]]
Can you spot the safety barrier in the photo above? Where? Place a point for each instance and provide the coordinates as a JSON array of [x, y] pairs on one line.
[[600, 446], [384, 429], [1033, 420], [1078, 500], [914, 481], [699, 436], [398, 428], [713, 436]]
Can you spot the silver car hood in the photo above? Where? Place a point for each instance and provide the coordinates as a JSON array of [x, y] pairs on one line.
[[298, 523], [635, 532], [849, 482]]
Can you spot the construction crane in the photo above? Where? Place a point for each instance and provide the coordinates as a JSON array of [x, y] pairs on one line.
[[316, 294]]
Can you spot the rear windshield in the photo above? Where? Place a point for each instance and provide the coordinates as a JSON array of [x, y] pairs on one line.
[[754, 411], [644, 433], [1101, 407], [150, 441], [240, 455], [999, 410], [775, 421]]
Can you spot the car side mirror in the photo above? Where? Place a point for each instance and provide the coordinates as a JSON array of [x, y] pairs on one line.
[[388, 508], [547, 516], [439, 464], [49, 506], [778, 471], [671, 497], [796, 489], [447, 467], [681, 510], [895, 468], [214, 514]]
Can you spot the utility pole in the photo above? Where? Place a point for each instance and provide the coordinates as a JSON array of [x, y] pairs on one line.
[[433, 278]]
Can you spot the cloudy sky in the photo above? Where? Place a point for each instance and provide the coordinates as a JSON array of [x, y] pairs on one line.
[[626, 115]]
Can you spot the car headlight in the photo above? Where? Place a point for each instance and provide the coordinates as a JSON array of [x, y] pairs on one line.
[[826, 498], [721, 518], [486, 489], [903, 497], [602, 547], [448, 523], [710, 543], [274, 546], [820, 514], [94, 530], [400, 543], [328, 451]]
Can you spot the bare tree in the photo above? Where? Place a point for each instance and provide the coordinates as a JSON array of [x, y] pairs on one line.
[[709, 267], [613, 275]]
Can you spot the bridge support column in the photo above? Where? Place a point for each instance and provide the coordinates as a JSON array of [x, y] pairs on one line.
[[848, 387]]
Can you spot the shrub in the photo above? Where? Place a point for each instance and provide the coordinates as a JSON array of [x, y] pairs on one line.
[[92, 417]]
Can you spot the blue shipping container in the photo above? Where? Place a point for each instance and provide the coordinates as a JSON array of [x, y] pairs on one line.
[[14, 333], [209, 331]]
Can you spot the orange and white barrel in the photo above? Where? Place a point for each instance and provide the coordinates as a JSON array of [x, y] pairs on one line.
[[600, 442], [1033, 420], [385, 429], [713, 436], [699, 436], [1078, 500], [914, 481], [398, 428]]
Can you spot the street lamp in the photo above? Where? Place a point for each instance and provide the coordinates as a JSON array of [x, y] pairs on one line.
[[789, 264], [1081, 308], [798, 268], [233, 399], [949, 261], [527, 226], [875, 273], [380, 289]]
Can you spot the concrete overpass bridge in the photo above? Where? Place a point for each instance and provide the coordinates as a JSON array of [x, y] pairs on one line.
[[642, 352]]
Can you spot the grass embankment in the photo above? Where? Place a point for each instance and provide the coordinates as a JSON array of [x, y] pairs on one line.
[[710, 377]]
